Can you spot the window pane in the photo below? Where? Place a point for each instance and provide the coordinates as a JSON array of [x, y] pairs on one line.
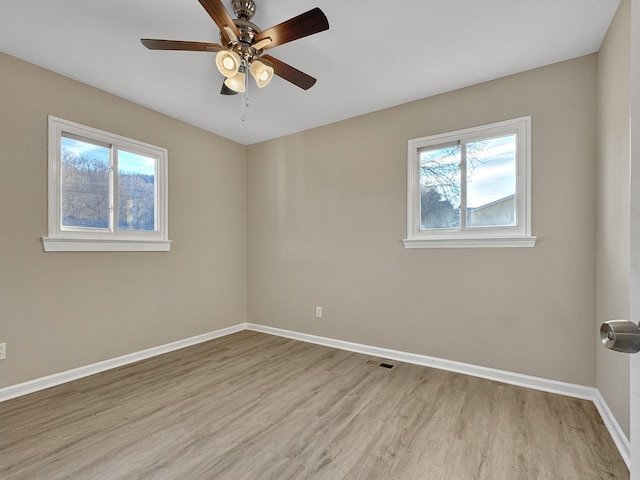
[[491, 182], [136, 191], [440, 187], [85, 184]]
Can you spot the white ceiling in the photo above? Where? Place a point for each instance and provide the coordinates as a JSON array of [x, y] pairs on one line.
[[376, 54]]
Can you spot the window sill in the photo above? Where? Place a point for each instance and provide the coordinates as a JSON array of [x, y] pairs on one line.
[[470, 242], [95, 245]]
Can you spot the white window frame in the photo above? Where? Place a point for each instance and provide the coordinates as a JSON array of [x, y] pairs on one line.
[[66, 239], [518, 235]]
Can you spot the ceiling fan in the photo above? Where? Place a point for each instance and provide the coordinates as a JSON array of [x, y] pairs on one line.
[[243, 44]]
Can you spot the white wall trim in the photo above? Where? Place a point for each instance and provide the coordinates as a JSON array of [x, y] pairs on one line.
[[471, 242], [52, 244], [511, 378], [31, 386], [616, 432]]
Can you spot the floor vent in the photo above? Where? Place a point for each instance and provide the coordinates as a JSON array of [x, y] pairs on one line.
[[378, 364]]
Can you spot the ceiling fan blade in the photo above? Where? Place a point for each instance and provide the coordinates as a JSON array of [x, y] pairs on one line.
[[303, 25], [290, 74], [220, 15], [153, 44]]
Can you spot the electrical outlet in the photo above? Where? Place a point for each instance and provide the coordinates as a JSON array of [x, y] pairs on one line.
[[318, 312], [3, 351]]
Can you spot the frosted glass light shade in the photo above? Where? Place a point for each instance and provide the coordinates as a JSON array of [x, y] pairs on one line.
[[261, 72], [227, 62], [236, 83]]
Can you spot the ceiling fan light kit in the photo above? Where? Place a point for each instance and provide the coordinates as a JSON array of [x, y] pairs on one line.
[[261, 72], [228, 62], [237, 83], [243, 45], [226, 90]]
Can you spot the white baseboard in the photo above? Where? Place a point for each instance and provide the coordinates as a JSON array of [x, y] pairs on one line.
[[528, 381], [31, 386], [618, 436], [536, 383]]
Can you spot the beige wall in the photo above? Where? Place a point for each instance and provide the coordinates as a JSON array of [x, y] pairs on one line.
[[327, 212], [613, 207], [59, 311]]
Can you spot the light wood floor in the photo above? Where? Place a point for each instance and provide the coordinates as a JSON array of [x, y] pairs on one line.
[[253, 406]]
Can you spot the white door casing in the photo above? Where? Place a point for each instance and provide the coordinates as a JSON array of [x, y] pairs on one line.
[[635, 234]]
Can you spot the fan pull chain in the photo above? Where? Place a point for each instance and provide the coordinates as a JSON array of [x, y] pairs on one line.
[[245, 96]]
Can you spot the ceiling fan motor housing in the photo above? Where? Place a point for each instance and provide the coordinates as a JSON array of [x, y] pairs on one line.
[[245, 9]]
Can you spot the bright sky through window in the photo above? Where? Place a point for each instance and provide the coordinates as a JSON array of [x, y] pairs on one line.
[[132, 162], [85, 149], [494, 174]]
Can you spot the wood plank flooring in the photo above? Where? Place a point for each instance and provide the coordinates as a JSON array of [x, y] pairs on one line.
[[254, 406]]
